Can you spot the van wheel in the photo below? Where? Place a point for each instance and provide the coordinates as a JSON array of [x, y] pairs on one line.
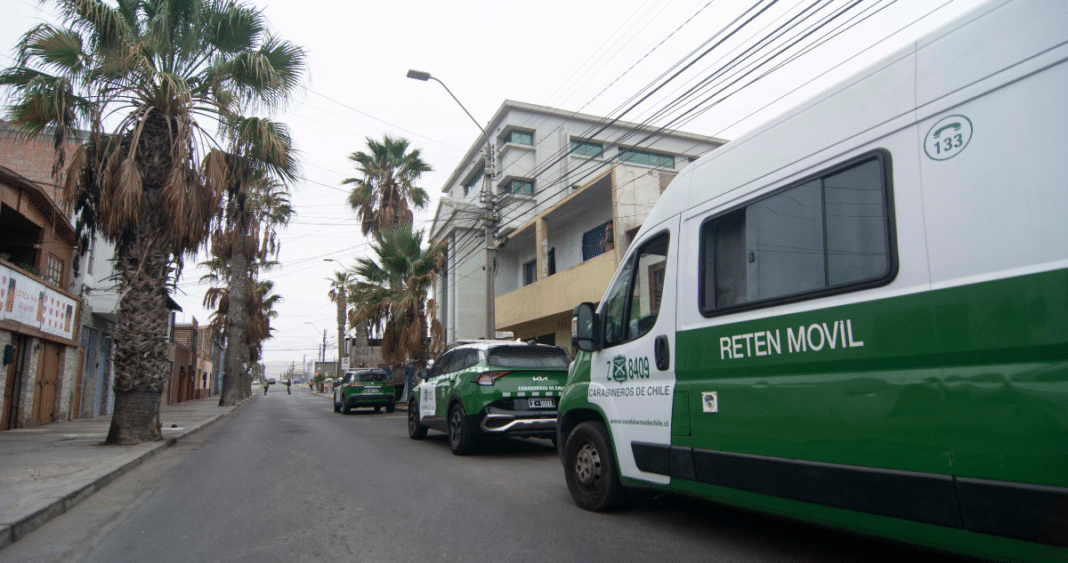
[[461, 440], [416, 431], [378, 409], [590, 468]]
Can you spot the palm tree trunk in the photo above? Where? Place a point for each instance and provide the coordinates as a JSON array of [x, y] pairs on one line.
[[141, 363], [237, 385]]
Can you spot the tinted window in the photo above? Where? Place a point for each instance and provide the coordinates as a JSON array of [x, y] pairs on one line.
[[528, 357], [441, 365], [826, 233], [373, 376]]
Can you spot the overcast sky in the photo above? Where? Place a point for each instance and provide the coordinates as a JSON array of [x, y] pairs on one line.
[[585, 55]]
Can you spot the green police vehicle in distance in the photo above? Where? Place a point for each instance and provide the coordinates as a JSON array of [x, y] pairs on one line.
[[364, 388], [489, 389]]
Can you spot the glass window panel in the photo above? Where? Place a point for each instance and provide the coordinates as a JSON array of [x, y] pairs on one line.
[[856, 225], [648, 288], [587, 148], [528, 357], [784, 241], [615, 305], [647, 158], [530, 274], [729, 260], [827, 232], [521, 137]]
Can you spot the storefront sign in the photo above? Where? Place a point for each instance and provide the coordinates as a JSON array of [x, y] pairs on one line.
[[29, 302]]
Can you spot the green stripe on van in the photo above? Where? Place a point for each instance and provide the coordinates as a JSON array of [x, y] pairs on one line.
[[970, 381]]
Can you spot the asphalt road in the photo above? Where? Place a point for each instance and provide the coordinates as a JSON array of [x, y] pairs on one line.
[[286, 479]]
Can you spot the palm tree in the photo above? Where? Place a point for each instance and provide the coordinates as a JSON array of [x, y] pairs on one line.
[[256, 204], [241, 246], [338, 285], [382, 194], [164, 74], [391, 289], [261, 313]]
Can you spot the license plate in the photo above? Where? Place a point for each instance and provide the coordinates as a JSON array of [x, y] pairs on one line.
[[372, 388], [543, 403]]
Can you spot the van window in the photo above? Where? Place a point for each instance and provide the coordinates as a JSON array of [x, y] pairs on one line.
[[823, 235], [634, 302]]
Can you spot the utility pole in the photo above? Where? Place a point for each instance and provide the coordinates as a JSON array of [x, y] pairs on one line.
[[489, 217], [490, 224], [323, 363]]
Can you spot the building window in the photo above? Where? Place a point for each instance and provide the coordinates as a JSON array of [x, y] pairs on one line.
[[552, 260], [54, 270], [597, 241], [825, 235], [530, 272], [647, 158], [474, 179], [91, 257], [521, 137], [525, 187], [587, 148]]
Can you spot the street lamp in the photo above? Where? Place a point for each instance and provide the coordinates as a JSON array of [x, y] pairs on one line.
[[340, 319], [487, 200]]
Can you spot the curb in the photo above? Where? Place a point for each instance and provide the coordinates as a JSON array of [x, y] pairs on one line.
[[11, 533]]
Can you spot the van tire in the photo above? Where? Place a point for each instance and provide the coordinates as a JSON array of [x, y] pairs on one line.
[[416, 431], [461, 438], [590, 468]]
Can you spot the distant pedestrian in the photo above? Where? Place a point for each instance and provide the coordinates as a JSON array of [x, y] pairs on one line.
[[311, 386], [266, 384], [288, 383]]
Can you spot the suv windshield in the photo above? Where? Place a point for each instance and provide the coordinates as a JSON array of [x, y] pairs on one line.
[[528, 357]]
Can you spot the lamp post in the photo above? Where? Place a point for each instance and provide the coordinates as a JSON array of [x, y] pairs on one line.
[[488, 206], [340, 320]]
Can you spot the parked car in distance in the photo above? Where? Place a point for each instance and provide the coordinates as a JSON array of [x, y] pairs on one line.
[[364, 388], [272, 381], [490, 388]]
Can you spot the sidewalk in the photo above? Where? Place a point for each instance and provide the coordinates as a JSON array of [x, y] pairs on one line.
[[44, 471]]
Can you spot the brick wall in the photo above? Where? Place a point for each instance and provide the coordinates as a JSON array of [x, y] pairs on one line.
[[33, 159]]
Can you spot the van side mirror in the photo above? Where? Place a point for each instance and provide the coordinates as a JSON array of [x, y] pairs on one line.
[[585, 328]]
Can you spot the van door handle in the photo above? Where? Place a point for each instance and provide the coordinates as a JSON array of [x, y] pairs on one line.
[[661, 353]]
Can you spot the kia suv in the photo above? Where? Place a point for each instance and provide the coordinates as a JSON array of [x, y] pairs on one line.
[[490, 388]]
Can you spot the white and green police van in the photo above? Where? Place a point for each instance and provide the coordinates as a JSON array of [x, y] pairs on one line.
[[857, 315]]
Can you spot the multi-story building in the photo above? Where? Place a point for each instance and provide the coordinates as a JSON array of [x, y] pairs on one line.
[[569, 193], [91, 279], [39, 316]]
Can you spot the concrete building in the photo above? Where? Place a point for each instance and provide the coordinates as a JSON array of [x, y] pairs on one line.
[[92, 277], [569, 193], [39, 327]]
